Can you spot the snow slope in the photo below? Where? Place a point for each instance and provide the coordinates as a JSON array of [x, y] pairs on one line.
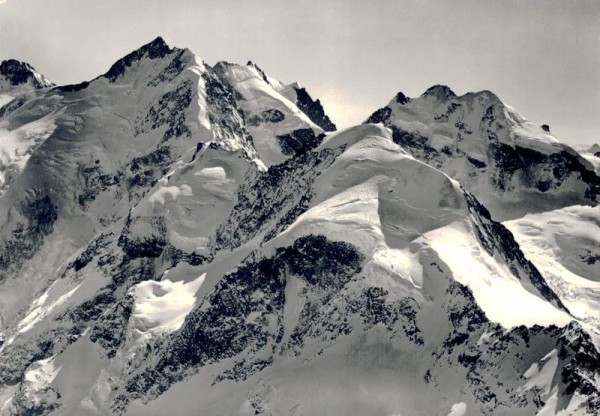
[[565, 246], [270, 115]]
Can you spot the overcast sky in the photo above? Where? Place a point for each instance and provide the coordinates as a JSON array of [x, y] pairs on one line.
[[541, 57]]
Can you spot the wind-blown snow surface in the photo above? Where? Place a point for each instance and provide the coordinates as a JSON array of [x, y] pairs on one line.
[[188, 238]]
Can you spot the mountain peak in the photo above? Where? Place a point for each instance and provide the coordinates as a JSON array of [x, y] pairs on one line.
[[401, 98], [259, 70], [442, 92], [313, 109], [156, 49], [18, 73]]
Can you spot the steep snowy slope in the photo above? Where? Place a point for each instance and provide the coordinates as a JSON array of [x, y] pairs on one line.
[[330, 276], [513, 166], [565, 246], [278, 127]]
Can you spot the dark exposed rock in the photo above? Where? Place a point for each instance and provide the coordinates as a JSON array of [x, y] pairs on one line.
[[221, 328], [146, 170], [413, 141], [376, 309], [160, 157], [260, 71], [41, 213], [48, 400], [267, 203], [18, 73], [95, 182], [169, 111], [90, 310], [450, 109], [380, 116], [272, 115], [402, 99], [562, 166], [16, 357], [313, 109], [153, 50], [581, 358], [224, 112], [176, 256], [505, 159], [477, 163], [175, 67], [150, 244], [72, 87], [90, 252], [110, 330], [299, 141]]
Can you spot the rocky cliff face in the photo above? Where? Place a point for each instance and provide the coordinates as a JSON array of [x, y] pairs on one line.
[[184, 237]]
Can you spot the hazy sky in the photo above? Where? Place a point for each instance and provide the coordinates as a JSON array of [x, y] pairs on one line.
[[541, 57]]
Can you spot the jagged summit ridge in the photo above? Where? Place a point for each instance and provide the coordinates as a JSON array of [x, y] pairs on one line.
[[155, 49]]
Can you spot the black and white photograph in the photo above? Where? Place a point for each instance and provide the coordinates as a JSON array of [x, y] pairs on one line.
[[300, 208]]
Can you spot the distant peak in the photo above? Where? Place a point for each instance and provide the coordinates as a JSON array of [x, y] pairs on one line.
[[18, 73], [260, 71], [156, 49], [441, 92], [159, 40], [401, 98], [157, 46]]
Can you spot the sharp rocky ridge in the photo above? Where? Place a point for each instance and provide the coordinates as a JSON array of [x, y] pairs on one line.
[[176, 236]]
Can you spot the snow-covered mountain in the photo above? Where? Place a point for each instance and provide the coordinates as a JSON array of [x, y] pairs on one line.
[[188, 238], [512, 165]]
